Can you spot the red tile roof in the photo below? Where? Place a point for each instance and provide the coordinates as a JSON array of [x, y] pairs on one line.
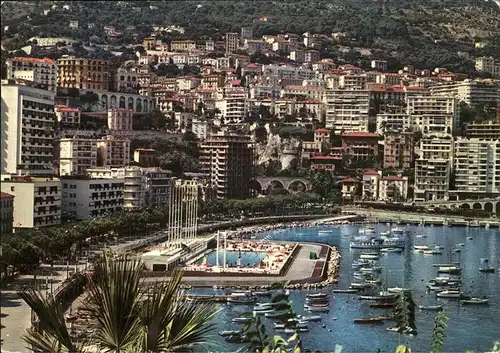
[[4, 195], [349, 180], [360, 134], [370, 172], [63, 108], [33, 60], [322, 130]]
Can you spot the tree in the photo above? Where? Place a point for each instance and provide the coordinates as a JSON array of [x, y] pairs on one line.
[[126, 317]]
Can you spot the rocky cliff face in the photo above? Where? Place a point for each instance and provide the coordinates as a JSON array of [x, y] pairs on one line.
[[276, 148]]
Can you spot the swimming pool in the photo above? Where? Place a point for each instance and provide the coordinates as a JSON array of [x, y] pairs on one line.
[[247, 258]]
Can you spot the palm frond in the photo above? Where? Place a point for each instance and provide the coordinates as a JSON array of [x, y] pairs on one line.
[[190, 326], [51, 320], [114, 293], [42, 342], [158, 310]]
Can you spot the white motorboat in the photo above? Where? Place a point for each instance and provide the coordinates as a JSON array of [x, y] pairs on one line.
[[433, 252], [360, 285], [318, 308], [398, 230], [431, 307], [368, 256], [324, 232], [475, 301], [397, 290], [242, 319], [275, 314], [367, 230], [229, 333], [309, 318], [291, 330], [398, 250], [449, 269], [262, 312], [421, 248], [449, 294], [317, 295]]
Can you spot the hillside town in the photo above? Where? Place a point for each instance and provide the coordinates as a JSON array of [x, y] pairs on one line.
[[414, 136]]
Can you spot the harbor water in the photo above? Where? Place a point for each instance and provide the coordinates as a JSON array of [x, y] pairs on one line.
[[473, 328]]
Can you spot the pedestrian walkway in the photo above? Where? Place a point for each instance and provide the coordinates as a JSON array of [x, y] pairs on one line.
[[16, 314]]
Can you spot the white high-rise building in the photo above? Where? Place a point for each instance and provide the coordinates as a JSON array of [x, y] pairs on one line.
[[28, 121], [143, 187], [84, 198], [41, 71], [76, 155], [433, 115], [471, 92], [232, 103], [347, 110], [477, 166], [433, 169]]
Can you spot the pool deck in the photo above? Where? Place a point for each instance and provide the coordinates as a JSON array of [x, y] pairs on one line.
[[301, 268]]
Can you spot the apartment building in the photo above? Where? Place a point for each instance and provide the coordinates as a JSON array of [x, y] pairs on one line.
[[370, 185], [312, 92], [146, 157], [182, 45], [471, 92], [126, 79], [113, 152], [361, 146], [347, 111], [67, 116], [229, 160], [247, 32], [433, 169], [27, 129], [232, 42], [398, 150], [83, 73], [40, 71], [84, 197], [393, 122], [76, 155], [37, 201], [488, 130], [232, 103], [393, 188], [120, 120], [489, 65], [477, 166], [433, 114], [7, 213], [143, 187]]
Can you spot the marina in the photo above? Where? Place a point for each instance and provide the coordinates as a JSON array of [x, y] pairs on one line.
[[399, 271]]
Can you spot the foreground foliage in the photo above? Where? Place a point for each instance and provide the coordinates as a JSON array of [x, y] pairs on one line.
[[125, 316]]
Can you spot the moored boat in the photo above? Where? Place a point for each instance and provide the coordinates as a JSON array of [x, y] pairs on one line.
[[475, 301], [431, 307], [317, 295], [229, 333], [450, 294], [317, 308], [309, 318], [241, 320], [340, 290], [369, 320], [241, 300], [276, 314]]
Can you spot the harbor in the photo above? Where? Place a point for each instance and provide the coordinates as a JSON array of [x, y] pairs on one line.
[[361, 304]]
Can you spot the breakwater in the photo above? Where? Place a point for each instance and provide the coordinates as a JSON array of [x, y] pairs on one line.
[[382, 216]]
